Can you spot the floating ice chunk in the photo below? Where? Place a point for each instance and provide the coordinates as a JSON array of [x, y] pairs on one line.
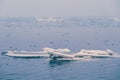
[[116, 19], [65, 50], [95, 53], [58, 52], [26, 54], [50, 19]]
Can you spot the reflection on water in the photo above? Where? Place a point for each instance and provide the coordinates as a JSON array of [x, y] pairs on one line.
[[54, 63]]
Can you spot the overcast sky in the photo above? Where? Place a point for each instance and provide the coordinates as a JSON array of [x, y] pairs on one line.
[[58, 8]]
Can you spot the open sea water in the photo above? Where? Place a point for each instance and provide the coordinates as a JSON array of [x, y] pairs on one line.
[[27, 34]]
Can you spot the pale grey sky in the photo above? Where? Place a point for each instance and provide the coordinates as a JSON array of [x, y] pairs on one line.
[[58, 8]]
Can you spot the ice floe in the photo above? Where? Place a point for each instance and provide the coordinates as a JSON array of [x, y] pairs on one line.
[[64, 54], [50, 19]]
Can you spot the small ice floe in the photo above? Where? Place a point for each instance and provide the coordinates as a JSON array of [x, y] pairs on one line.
[[65, 50], [116, 19], [96, 53], [26, 54], [50, 19], [59, 52]]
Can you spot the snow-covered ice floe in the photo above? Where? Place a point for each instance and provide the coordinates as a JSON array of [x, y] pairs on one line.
[[64, 54], [26, 54], [96, 53]]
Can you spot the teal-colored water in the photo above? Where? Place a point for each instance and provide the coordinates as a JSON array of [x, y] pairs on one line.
[[74, 34]]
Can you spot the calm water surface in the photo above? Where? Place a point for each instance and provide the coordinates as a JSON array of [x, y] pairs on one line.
[[74, 33]]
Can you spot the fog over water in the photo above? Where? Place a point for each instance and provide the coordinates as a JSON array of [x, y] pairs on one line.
[[46, 8]]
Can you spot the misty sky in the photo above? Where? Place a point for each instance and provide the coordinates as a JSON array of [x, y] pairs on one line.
[[58, 8]]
